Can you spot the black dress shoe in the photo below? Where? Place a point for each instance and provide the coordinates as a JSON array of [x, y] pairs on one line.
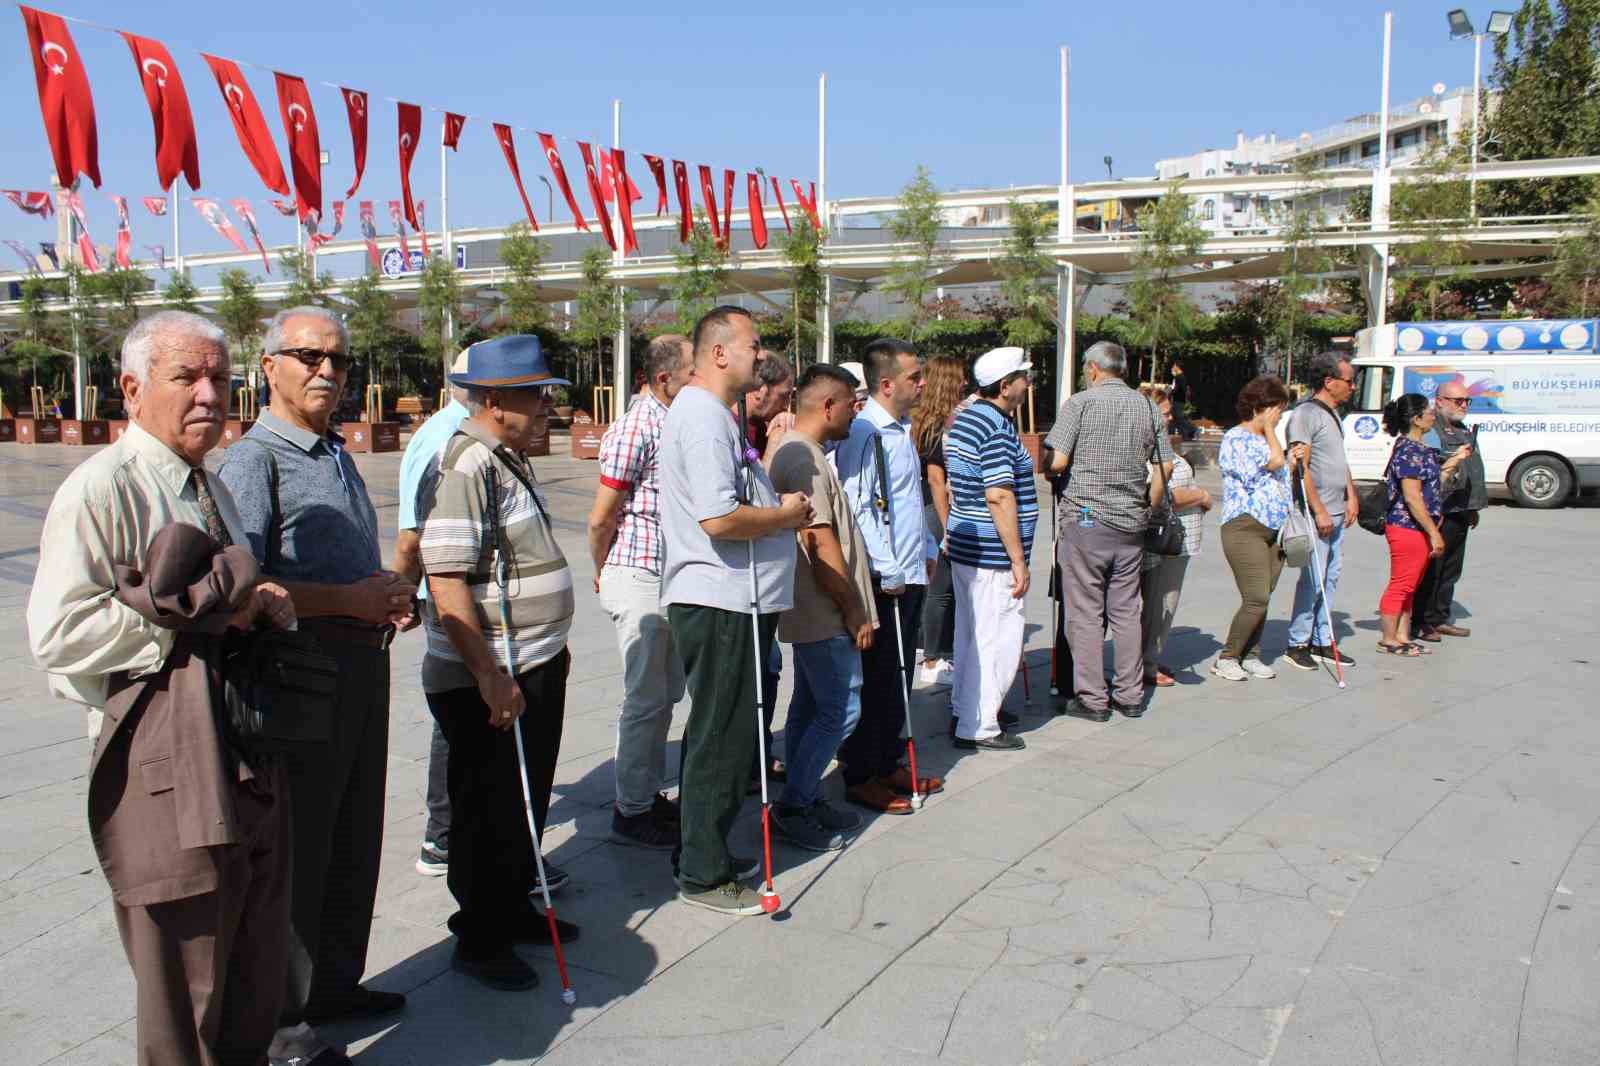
[[1001, 741], [505, 972], [1076, 709], [536, 930], [1133, 711], [363, 1003], [1007, 719]]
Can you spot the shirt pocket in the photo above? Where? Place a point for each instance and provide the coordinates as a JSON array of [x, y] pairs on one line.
[[156, 774]]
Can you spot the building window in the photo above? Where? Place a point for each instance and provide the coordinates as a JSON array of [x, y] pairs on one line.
[[1211, 172], [1208, 211], [1407, 138], [1330, 158], [1345, 154], [1369, 148]]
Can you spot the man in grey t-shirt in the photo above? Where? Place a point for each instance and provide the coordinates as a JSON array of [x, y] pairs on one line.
[[1331, 495], [718, 510]]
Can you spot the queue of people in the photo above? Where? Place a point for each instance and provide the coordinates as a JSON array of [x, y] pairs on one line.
[[241, 843]]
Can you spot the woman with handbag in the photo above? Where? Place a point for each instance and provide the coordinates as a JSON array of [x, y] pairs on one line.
[[1161, 579], [1412, 521], [1255, 504]]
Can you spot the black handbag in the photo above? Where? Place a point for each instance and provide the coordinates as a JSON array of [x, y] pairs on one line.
[[279, 691], [1163, 532], [1373, 513]]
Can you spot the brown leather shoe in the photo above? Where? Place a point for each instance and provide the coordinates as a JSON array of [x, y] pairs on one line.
[[1451, 630], [874, 795], [900, 781]]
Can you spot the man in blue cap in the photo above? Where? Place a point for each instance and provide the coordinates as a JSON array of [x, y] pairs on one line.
[[484, 503]]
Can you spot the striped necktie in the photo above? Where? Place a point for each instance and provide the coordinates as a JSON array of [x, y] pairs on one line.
[[208, 507]]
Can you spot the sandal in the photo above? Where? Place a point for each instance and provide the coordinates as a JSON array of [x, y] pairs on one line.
[[1422, 649], [1405, 651]]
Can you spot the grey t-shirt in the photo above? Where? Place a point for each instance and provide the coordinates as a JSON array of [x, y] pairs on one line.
[[1310, 423], [702, 471]]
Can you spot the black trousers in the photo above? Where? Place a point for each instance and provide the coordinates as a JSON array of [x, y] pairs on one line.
[[874, 749], [1438, 588], [336, 793], [491, 858]]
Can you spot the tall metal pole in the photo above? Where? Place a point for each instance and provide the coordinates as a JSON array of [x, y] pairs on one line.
[[1066, 273], [1378, 265], [619, 354], [825, 311], [72, 316], [444, 230], [177, 244], [1383, 125], [1477, 75]]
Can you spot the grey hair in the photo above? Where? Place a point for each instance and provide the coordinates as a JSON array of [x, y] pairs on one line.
[[1325, 365], [1108, 356], [138, 347], [458, 393], [476, 398], [274, 341], [666, 354]]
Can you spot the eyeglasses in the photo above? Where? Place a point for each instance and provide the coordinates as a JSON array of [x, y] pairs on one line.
[[312, 358], [1351, 380], [1458, 401]]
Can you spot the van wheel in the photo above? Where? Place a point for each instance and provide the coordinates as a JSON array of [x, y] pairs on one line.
[[1540, 481]]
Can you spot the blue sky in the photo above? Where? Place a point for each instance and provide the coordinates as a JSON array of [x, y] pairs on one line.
[[970, 90]]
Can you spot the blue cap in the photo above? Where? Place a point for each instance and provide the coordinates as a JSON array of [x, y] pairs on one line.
[[513, 362]]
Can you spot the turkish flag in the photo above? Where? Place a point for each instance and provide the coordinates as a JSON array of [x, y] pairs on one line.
[[727, 207], [86, 252], [595, 194], [305, 149], [548, 143], [659, 170], [64, 98], [124, 233], [508, 146], [176, 148], [355, 105], [809, 205], [777, 191], [212, 212], [422, 228], [680, 179], [248, 122], [452, 130], [156, 205], [34, 203], [400, 228], [758, 219], [608, 179], [708, 196], [369, 232], [410, 134], [338, 218], [241, 207], [619, 175]]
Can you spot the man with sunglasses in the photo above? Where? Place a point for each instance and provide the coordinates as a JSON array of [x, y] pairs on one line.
[[312, 526], [1465, 494], [1331, 495]]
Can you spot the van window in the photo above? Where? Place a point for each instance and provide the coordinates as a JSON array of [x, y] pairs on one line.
[[1373, 385]]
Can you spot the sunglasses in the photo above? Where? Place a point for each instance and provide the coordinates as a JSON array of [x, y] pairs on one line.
[[1457, 401], [312, 358]]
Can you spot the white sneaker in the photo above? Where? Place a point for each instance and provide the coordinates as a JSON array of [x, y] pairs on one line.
[[1229, 670], [1258, 669], [939, 672]]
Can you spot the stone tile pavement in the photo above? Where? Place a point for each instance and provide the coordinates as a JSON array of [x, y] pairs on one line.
[[1272, 872]]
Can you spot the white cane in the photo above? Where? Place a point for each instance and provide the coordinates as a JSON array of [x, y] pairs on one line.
[[906, 732], [1317, 580], [770, 903]]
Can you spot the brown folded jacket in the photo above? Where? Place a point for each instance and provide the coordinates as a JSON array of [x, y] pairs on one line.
[[161, 780]]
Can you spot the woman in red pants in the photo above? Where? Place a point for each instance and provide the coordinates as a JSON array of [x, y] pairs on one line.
[[1413, 519]]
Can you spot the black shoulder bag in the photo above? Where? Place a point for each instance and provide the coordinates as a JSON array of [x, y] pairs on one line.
[[1373, 514], [1163, 533]]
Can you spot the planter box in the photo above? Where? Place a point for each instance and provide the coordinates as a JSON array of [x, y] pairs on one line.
[[8, 430], [1032, 442], [89, 431], [371, 436], [119, 426], [233, 429], [38, 431], [586, 440]]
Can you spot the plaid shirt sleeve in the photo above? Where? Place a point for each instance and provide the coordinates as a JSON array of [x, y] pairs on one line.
[[622, 453]]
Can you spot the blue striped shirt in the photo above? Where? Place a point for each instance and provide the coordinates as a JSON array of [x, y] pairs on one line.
[[982, 451]]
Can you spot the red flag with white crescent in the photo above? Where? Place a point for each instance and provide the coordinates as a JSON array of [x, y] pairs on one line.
[[608, 179], [176, 148], [305, 147], [64, 98], [658, 170], [212, 212], [400, 230], [619, 177], [777, 192], [708, 196], [596, 196], [241, 207], [553, 157], [248, 122], [34, 203], [410, 134], [355, 105], [809, 205], [283, 208], [156, 205], [508, 148], [758, 218], [422, 228], [680, 179], [338, 218], [124, 233], [86, 252], [369, 232], [452, 130], [727, 207]]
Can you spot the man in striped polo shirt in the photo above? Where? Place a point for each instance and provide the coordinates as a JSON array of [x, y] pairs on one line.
[[483, 505], [993, 511], [625, 544]]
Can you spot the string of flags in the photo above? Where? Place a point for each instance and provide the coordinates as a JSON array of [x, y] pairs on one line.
[[67, 107]]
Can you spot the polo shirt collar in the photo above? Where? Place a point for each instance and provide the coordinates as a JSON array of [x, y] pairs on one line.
[[879, 415], [473, 429], [303, 439], [171, 467]]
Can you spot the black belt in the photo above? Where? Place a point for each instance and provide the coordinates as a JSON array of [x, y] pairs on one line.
[[350, 631]]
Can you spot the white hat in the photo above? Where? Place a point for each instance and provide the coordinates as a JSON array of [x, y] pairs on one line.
[[857, 371], [999, 363]]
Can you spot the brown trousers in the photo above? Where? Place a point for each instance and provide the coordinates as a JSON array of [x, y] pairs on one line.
[[211, 968]]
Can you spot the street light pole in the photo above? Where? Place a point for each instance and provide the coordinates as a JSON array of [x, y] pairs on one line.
[[1460, 28], [550, 199]]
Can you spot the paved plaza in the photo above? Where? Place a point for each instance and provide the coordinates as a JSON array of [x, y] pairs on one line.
[[1405, 872]]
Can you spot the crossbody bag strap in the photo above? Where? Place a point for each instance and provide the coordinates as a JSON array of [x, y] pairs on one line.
[[1155, 459], [883, 501]]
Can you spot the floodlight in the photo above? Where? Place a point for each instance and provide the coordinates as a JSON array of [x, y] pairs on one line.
[[1460, 24], [1499, 23]]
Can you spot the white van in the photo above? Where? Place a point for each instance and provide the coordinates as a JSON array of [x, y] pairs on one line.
[[1535, 391]]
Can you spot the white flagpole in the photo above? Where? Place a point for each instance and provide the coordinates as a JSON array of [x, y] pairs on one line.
[[444, 226], [177, 243], [620, 384]]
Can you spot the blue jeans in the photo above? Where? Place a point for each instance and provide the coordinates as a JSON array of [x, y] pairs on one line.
[[1308, 624], [823, 711]]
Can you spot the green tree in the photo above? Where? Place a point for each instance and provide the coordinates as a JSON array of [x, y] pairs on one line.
[[802, 250], [1303, 261], [1168, 235], [916, 223], [1027, 276], [599, 315], [1548, 107], [702, 276], [370, 319], [40, 345], [119, 292], [523, 254], [438, 305], [1577, 274], [306, 286], [1431, 206], [239, 311], [180, 294]]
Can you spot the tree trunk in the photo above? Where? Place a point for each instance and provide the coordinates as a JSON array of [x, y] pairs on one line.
[[1155, 347]]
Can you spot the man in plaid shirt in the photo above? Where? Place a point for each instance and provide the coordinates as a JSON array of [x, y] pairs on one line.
[[625, 544]]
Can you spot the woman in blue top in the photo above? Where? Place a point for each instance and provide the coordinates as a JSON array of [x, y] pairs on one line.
[[1255, 504]]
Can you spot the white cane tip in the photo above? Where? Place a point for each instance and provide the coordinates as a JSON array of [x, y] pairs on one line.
[[1341, 684], [568, 996], [916, 801]]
